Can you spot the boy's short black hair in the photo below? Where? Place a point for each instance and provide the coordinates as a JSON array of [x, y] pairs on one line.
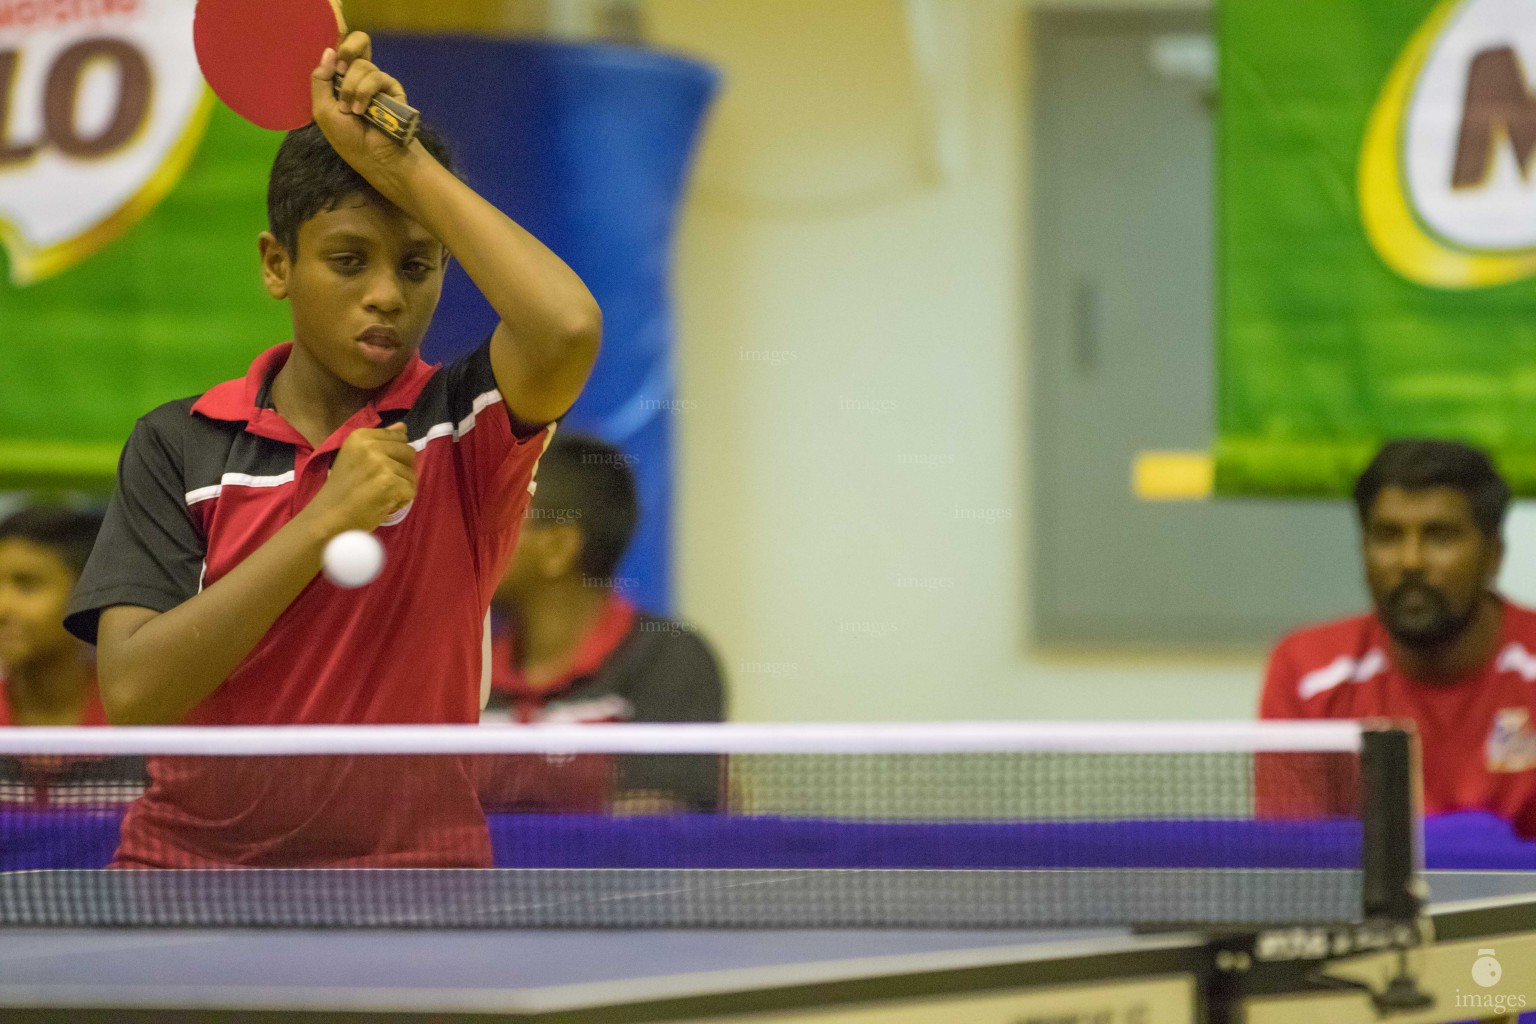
[[310, 177], [69, 533], [588, 483], [1417, 464]]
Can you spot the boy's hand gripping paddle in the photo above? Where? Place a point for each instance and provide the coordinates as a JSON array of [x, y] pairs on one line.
[[258, 56]]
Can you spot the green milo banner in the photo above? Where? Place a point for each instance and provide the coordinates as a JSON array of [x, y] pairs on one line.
[[1378, 236], [130, 203]]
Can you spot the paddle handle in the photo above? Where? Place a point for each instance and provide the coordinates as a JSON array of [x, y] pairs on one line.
[[395, 119]]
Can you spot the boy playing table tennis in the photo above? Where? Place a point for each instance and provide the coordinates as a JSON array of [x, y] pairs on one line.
[[203, 591]]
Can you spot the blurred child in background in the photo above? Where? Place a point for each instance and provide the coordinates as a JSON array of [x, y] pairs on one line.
[[47, 677]]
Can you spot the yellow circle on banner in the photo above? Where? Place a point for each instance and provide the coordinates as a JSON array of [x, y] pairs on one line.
[[1385, 210]]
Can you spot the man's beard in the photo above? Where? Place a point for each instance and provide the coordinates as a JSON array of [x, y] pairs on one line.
[[1419, 616]]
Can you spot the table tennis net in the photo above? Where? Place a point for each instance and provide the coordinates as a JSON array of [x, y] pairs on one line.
[[686, 826]]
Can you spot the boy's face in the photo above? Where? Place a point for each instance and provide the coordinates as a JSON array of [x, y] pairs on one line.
[[362, 287], [34, 592]]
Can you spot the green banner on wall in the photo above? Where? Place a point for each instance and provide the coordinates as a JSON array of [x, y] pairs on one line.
[[130, 204], [1378, 236]]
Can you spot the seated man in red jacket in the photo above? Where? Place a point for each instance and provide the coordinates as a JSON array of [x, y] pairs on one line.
[[1440, 646], [571, 648]]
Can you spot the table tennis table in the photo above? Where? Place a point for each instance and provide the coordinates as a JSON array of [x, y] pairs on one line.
[[989, 976]]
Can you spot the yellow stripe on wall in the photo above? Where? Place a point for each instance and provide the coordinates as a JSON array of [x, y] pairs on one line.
[[1173, 476], [477, 17]]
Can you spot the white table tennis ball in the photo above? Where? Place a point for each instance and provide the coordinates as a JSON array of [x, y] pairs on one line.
[[353, 559]]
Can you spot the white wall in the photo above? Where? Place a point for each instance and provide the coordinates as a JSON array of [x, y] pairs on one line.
[[854, 349]]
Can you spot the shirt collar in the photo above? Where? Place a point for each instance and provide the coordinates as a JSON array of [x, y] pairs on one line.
[[604, 637], [596, 646], [248, 399]]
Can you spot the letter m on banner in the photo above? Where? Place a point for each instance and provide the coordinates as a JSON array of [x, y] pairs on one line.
[[1378, 236]]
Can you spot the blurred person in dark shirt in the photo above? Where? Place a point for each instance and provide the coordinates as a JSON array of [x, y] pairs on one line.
[[568, 646]]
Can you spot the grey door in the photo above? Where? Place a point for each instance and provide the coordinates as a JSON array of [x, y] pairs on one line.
[[1123, 212]]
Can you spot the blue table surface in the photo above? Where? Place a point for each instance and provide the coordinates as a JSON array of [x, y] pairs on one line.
[[540, 970]]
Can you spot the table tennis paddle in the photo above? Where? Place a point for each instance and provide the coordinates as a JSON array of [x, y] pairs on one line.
[[258, 56]]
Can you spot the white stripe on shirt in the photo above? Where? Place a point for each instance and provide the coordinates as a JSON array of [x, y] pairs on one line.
[[237, 480], [1340, 670]]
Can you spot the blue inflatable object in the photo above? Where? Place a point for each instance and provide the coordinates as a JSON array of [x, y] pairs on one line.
[[588, 147]]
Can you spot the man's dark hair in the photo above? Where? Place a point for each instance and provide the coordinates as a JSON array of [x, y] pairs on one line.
[[310, 177], [588, 483], [69, 533], [1418, 464]]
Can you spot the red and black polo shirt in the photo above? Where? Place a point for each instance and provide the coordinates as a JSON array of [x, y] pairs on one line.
[[526, 702], [204, 482], [630, 666]]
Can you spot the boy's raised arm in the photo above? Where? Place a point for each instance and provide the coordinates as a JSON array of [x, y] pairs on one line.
[[546, 343]]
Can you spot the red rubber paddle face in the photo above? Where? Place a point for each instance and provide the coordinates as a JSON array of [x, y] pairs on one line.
[[258, 55]]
